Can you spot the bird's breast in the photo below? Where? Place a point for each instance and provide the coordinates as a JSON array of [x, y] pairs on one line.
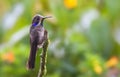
[[41, 38], [41, 34]]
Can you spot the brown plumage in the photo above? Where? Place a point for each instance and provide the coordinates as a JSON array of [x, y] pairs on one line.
[[37, 37]]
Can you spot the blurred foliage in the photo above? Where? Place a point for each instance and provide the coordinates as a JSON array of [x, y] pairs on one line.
[[84, 37]]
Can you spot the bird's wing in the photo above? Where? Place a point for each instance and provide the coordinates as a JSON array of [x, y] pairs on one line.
[[45, 34]]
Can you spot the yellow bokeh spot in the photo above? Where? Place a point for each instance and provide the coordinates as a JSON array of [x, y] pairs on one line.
[[113, 61], [70, 4], [97, 69]]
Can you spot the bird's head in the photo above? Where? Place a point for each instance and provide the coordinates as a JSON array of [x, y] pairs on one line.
[[38, 20]]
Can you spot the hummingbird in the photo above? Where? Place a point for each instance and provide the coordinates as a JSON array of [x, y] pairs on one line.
[[38, 35]]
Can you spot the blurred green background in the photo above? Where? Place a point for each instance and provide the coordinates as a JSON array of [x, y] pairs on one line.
[[84, 37]]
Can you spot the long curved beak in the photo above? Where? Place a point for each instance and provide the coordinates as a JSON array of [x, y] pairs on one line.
[[47, 17]]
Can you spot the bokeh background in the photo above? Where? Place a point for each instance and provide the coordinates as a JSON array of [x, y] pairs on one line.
[[84, 37]]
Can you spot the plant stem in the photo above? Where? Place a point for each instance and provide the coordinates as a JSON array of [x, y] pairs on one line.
[[42, 69]]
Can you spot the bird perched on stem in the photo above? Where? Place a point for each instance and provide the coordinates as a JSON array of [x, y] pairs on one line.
[[38, 35]]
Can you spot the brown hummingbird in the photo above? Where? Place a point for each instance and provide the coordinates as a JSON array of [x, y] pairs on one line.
[[38, 35]]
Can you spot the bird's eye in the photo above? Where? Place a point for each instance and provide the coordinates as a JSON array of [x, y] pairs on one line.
[[38, 18]]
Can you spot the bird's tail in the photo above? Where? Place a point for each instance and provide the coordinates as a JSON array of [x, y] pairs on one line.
[[31, 60]]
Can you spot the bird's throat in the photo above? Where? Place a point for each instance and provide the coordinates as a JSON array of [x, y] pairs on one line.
[[42, 22]]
